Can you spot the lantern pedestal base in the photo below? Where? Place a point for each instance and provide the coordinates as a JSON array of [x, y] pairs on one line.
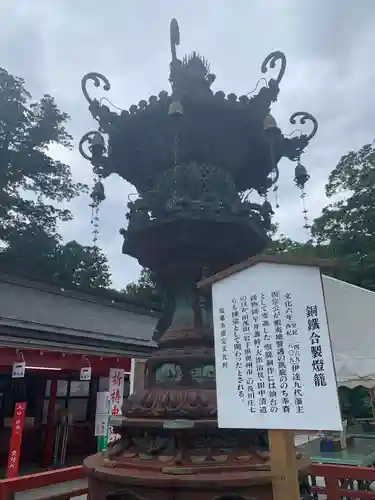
[[116, 480]]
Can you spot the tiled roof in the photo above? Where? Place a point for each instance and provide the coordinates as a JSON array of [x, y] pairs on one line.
[[44, 308]]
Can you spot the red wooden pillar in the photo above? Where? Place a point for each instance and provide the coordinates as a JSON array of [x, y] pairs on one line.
[[48, 441]]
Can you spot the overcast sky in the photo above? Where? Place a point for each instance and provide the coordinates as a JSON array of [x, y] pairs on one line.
[[330, 73]]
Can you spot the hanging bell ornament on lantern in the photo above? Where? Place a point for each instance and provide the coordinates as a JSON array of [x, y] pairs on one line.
[[267, 208], [97, 142], [300, 176], [276, 191], [267, 212], [97, 148], [97, 193], [269, 122], [175, 109]]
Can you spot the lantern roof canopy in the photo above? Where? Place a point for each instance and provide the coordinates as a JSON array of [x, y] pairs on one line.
[[193, 123]]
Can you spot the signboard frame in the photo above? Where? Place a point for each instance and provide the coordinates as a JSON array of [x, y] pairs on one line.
[[283, 461], [273, 351]]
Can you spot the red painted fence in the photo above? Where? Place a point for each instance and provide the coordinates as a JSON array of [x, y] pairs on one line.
[[340, 482], [8, 487]]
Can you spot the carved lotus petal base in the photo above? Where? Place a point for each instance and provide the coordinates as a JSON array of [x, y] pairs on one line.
[[201, 481], [172, 404]]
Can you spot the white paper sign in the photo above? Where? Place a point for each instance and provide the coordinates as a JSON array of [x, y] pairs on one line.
[[18, 370], [85, 373], [102, 413], [133, 363], [116, 396], [102, 403], [101, 424], [274, 362]]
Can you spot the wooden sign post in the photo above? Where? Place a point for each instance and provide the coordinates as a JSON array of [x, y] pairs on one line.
[[273, 357], [285, 483]]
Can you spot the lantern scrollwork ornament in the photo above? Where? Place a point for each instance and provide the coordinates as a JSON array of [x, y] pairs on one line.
[[96, 146]]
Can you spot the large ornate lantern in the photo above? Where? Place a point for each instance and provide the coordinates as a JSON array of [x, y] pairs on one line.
[[193, 155]]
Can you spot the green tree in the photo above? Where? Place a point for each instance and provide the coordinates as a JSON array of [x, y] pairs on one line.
[[30, 252], [144, 291], [355, 402], [34, 253], [285, 245], [29, 178], [31, 184], [346, 228], [310, 249], [85, 267]]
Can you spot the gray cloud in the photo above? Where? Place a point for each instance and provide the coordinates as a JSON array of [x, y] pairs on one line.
[[329, 73]]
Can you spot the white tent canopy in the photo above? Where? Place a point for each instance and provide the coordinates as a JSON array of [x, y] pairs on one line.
[[351, 319]]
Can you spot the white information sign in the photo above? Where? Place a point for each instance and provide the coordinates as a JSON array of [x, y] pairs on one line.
[[102, 413], [274, 362], [101, 425], [116, 396], [18, 369], [85, 373], [102, 402], [133, 362]]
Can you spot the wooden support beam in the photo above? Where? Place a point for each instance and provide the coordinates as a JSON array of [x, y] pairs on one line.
[[285, 482]]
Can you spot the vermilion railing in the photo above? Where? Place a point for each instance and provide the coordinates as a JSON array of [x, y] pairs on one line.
[[343, 481], [340, 482], [9, 487]]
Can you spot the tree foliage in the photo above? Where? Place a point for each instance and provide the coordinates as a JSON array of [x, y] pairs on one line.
[[35, 254], [346, 227], [32, 184], [83, 266], [345, 231], [145, 291], [27, 129]]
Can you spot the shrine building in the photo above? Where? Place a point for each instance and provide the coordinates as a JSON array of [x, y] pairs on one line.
[[56, 333]]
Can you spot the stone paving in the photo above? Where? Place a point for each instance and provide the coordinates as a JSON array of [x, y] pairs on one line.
[[47, 491]]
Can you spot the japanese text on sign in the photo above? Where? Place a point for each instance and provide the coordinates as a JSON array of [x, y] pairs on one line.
[[272, 349], [16, 439], [18, 369], [296, 394], [116, 396], [223, 338], [237, 347], [85, 373], [313, 327], [102, 413], [248, 351]]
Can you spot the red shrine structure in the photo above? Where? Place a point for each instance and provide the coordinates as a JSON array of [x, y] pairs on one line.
[[57, 332]]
